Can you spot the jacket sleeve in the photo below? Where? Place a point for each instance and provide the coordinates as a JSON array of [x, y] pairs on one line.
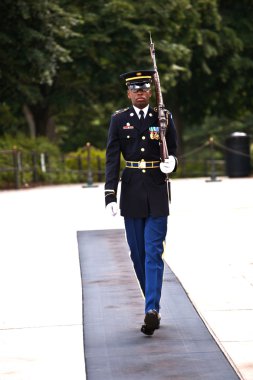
[[171, 139], [112, 163]]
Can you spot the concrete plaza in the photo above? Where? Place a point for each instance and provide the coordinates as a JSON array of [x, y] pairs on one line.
[[209, 248]]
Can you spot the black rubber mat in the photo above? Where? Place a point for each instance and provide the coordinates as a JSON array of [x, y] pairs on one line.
[[113, 312]]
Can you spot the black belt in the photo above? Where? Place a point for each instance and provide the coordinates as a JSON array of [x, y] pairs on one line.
[[143, 164]]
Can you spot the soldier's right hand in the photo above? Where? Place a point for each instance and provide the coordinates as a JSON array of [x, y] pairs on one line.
[[112, 208]]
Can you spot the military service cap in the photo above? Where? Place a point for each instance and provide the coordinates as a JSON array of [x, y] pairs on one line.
[[138, 79], [138, 76]]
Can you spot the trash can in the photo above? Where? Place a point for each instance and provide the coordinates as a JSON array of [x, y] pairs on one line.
[[238, 155]]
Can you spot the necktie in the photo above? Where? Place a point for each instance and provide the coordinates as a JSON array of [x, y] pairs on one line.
[[141, 113]]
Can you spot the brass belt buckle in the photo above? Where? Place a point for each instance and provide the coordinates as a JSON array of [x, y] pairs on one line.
[[142, 165]]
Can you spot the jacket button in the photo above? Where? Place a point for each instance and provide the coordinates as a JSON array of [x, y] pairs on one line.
[[142, 149], [128, 137], [143, 171], [143, 137]]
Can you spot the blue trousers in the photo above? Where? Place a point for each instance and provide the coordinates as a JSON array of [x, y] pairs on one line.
[[145, 237]]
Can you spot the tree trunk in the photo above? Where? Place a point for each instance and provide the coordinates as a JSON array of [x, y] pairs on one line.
[[50, 129], [30, 121], [44, 122]]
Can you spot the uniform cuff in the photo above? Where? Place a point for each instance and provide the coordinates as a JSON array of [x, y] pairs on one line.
[[110, 198]]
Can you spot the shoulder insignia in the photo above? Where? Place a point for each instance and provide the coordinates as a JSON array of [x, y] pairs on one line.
[[120, 111]]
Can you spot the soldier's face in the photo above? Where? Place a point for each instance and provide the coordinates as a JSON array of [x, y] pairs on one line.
[[139, 99]]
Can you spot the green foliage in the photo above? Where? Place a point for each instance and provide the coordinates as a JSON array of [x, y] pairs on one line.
[[8, 122], [19, 152], [25, 162], [221, 67], [217, 127], [60, 65], [21, 142], [32, 49], [37, 161]]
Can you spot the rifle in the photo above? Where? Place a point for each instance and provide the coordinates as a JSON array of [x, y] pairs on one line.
[[162, 112], [163, 115]]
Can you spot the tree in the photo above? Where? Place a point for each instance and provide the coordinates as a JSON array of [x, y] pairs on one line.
[[31, 53], [116, 39], [220, 86], [64, 59]]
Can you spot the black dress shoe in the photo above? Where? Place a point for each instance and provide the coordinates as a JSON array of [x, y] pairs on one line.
[[152, 322], [145, 330]]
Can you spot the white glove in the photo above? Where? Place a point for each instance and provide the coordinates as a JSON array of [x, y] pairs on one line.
[[168, 165], [112, 208]]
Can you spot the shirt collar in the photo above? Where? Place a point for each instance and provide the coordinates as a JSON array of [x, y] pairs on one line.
[[145, 110]]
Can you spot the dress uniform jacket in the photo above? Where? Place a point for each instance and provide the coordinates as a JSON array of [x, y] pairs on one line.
[[143, 190]]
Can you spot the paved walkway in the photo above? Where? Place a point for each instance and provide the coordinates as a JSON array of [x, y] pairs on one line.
[[209, 247], [113, 307]]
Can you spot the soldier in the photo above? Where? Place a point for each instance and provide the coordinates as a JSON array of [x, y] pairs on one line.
[[134, 132]]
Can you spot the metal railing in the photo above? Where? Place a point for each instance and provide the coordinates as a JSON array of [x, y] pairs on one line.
[[20, 169]]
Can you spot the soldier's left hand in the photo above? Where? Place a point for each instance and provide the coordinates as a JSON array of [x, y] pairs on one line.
[[168, 165]]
